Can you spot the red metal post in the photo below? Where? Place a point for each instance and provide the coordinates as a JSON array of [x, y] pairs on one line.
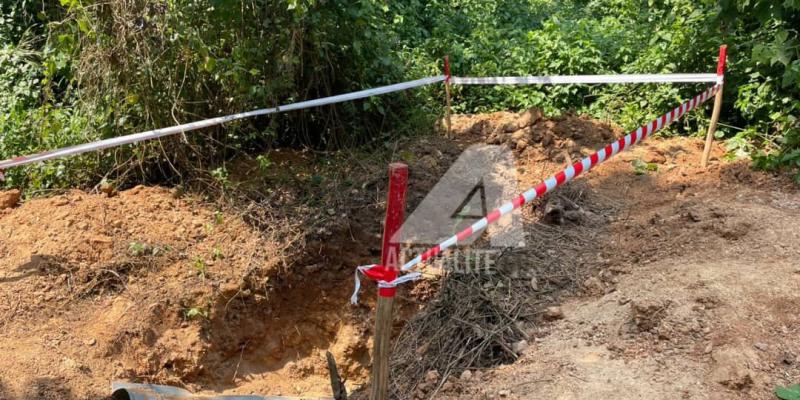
[[395, 211], [722, 60]]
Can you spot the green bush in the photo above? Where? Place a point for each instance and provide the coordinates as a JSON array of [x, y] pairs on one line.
[[537, 37], [73, 71], [76, 71]]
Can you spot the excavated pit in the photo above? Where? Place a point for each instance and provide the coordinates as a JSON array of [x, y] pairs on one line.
[[154, 285]]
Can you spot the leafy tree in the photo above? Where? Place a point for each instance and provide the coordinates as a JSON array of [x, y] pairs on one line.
[[78, 70]]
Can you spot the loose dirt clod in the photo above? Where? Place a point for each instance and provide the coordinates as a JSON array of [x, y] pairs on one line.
[[9, 198], [553, 313]]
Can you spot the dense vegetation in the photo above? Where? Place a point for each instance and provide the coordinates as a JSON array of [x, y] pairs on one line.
[[78, 70]]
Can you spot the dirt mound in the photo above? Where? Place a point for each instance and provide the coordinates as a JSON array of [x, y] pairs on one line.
[[9, 198], [151, 286], [531, 135], [690, 291]]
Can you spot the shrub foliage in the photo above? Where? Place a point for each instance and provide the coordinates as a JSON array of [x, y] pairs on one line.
[[79, 70]]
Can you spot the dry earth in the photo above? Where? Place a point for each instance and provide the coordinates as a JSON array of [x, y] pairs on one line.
[[698, 296], [689, 279]]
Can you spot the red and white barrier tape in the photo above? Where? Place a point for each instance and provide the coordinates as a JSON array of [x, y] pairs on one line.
[[157, 133], [546, 186], [587, 79], [367, 271]]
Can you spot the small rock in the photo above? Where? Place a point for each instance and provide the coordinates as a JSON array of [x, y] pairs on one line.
[[504, 393], [708, 349], [593, 286], [70, 364], [466, 375], [494, 139], [520, 347], [510, 127], [479, 127], [429, 161], [9, 198], [519, 135], [655, 157], [731, 370], [91, 342], [535, 284], [553, 313], [108, 189], [761, 346], [529, 117]]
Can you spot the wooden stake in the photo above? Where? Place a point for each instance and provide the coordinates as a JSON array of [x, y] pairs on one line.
[[337, 384], [395, 209], [448, 110], [712, 127], [382, 350]]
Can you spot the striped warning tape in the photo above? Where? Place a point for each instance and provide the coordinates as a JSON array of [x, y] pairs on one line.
[[587, 79], [546, 186], [157, 133]]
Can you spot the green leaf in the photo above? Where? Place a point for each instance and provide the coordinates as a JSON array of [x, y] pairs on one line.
[[790, 393], [640, 167], [209, 64], [195, 312], [84, 26]]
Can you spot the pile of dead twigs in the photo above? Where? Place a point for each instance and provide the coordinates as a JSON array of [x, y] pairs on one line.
[[483, 318]]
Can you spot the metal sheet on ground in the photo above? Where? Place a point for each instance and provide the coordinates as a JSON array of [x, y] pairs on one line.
[[146, 391]]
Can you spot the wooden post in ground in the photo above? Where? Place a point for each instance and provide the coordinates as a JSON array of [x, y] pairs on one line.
[[337, 384], [712, 127], [449, 110], [395, 210]]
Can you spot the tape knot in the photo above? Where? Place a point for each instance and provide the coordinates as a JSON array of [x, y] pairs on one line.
[[386, 278]]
